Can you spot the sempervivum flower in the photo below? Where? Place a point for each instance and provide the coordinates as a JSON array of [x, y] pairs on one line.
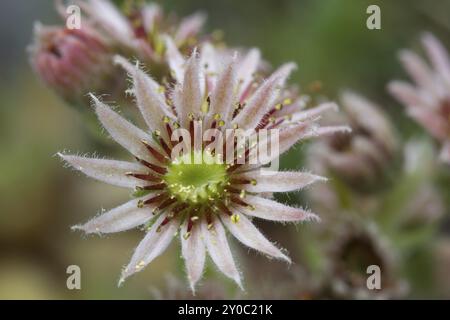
[[71, 61], [361, 157], [141, 28], [428, 100], [356, 247], [197, 200]]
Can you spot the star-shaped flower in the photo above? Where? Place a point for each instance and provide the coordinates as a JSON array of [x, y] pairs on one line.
[[199, 201]]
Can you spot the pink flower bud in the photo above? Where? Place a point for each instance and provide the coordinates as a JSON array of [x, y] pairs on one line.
[[70, 61]]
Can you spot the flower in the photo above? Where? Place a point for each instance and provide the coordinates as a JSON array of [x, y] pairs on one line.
[[361, 157], [197, 200], [142, 27], [428, 100], [71, 61], [357, 247]]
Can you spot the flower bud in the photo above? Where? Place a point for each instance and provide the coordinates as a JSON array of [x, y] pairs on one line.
[[356, 249], [361, 157], [71, 61]]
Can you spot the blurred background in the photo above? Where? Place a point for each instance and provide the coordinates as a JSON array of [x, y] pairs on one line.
[[40, 199]]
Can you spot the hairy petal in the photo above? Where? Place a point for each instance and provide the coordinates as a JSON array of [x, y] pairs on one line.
[[175, 59], [278, 181], [271, 210], [190, 98], [327, 131], [123, 132], [314, 112], [287, 138], [150, 101], [109, 171], [249, 235], [121, 218], [219, 250], [247, 68], [223, 96], [263, 98], [153, 244], [193, 251]]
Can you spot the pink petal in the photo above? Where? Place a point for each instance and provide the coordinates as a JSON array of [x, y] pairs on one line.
[[151, 103], [109, 171], [123, 132], [219, 250], [271, 210], [314, 112], [223, 96], [276, 181], [124, 217], [154, 243], [247, 68], [326, 131], [193, 251], [417, 69], [405, 93], [175, 59], [150, 13], [190, 99], [249, 235], [438, 55], [110, 19], [431, 121], [263, 99], [190, 26]]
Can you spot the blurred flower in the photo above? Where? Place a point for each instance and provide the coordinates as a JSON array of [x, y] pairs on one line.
[[425, 207], [142, 26], [361, 157], [428, 101], [356, 247], [71, 62], [199, 199]]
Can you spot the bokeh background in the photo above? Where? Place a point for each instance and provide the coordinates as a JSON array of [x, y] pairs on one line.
[[40, 199]]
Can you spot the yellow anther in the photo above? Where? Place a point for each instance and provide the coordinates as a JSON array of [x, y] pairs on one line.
[[287, 101], [235, 218]]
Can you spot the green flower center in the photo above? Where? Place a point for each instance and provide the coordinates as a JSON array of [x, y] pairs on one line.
[[196, 178]]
